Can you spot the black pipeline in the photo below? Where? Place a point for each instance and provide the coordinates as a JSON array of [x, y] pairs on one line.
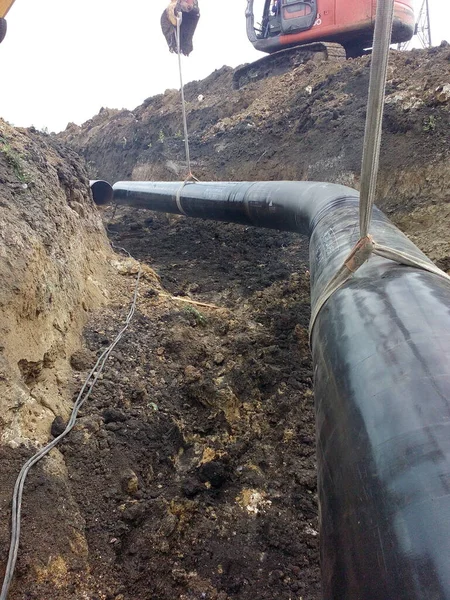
[[381, 351]]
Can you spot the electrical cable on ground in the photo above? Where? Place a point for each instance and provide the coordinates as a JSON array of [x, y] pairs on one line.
[[87, 387]]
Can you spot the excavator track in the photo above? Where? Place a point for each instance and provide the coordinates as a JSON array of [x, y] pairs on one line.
[[286, 60]]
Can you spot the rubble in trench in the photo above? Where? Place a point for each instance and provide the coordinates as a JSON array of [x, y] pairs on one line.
[[191, 471]]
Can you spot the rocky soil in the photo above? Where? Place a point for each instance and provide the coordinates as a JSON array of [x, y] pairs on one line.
[[191, 472]]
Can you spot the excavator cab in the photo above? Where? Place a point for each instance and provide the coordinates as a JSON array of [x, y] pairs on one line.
[[287, 16], [350, 23], [297, 16]]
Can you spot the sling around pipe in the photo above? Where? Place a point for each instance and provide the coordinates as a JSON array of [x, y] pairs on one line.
[[381, 351]]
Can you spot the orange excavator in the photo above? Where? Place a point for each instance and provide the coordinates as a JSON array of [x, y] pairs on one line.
[[293, 31], [287, 23], [5, 5]]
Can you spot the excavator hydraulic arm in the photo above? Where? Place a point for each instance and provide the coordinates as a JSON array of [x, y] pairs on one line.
[[5, 5]]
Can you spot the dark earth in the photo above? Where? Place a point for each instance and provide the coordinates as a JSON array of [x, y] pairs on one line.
[[234, 418]]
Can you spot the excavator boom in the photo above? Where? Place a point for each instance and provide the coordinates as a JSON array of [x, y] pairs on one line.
[[5, 5]]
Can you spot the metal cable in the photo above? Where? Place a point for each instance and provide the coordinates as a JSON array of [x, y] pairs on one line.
[[183, 102], [81, 399], [375, 108]]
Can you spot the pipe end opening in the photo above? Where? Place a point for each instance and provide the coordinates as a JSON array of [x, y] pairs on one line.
[[102, 192]]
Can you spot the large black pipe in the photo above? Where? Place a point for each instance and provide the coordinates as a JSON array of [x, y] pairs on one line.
[[381, 351]]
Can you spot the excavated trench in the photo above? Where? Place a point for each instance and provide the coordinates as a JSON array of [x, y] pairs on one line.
[[191, 473]]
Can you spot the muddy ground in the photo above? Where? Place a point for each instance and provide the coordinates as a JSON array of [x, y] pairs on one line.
[[226, 505]]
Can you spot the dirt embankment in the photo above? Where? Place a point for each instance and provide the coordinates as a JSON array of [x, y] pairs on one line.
[[52, 274], [53, 266]]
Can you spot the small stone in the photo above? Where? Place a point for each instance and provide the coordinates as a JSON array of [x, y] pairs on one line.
[[151, 293], [112, 415], [113, 426], [219, 358], [130, 482], [139, 393], [192, 374], [58, 426], [276, 575], [81, 360], [442, 93]]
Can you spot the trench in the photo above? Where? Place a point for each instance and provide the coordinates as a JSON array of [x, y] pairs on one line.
[[227, 463]]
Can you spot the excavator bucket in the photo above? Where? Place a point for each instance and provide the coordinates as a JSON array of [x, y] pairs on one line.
[[2, 29], [5, 5], [190, 15]]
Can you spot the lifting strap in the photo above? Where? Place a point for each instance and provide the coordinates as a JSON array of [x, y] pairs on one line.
[[190, 178]]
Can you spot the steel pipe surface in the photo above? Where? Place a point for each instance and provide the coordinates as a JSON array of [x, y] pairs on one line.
[[381, 351]]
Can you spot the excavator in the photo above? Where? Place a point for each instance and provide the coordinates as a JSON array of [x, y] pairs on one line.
[[290, 31], [294, 31]]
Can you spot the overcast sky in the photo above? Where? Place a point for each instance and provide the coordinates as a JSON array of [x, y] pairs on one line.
[[62, 61]]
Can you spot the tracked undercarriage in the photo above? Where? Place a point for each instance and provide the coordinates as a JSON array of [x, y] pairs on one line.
[[285, 60]]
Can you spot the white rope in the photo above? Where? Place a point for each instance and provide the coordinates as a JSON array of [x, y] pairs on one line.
[[189, 177], [375, 109]]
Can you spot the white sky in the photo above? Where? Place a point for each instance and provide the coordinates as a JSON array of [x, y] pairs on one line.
[[62, 61]]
